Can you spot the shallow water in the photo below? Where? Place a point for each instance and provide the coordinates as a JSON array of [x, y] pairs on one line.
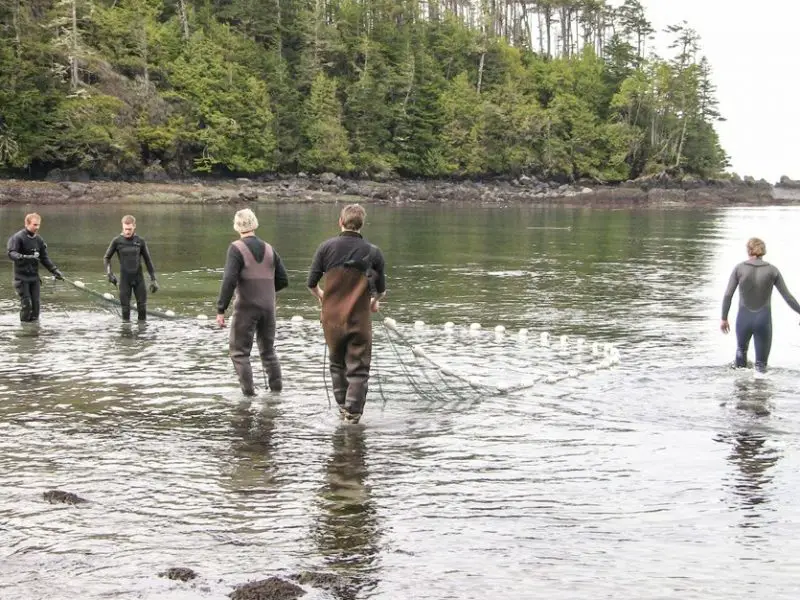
[[666, 476]]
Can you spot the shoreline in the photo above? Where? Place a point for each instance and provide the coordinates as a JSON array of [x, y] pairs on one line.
[[329, 188]]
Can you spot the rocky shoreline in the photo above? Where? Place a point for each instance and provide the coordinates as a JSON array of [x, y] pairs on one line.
[[657, 191]]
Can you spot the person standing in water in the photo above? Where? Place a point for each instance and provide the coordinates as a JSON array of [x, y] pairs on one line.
[[132, 250], [27, 249], [355, 283], [755, 279], [255, 272]]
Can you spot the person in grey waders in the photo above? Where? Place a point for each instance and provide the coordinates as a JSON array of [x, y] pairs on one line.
[[253, 271], [755, 279], [27, 249], [132, 250]]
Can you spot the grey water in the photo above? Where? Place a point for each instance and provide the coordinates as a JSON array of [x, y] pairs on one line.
[[669, 475]]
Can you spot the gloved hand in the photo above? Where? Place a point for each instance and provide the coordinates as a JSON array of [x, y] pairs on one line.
[[112, 279], [58, 274], [153, 286]]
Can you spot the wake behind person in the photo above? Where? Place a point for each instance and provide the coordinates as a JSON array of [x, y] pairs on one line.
[[27, 249], [755, 279], [254, 271], [132, 250], [355, 283]]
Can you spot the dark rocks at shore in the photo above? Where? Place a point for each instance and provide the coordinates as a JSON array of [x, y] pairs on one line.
[[62, 497], [655, 190], [342, 588], [272, 588], [179, 574]]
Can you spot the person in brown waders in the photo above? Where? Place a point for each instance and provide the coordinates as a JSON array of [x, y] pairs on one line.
[[355, 283], [255, 272]]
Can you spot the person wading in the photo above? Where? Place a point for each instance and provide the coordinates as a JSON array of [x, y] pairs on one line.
[[355, 283], [253, 271], [132, 250], [755, 279], [27, 249]]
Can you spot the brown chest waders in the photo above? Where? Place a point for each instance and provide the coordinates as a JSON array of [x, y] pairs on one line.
[[347, 324]]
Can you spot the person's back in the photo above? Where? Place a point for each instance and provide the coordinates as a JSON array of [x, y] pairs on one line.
[[256, 286], [755, 278], [253, 274], [354, 284]]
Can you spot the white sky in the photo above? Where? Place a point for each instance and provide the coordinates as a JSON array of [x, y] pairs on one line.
[[755, 54]]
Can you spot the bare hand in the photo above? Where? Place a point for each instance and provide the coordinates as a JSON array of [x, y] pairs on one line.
[[374, 305], [724, 326], [221, 320]]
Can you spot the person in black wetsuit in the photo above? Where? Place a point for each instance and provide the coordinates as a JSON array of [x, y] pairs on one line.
[[755, 279], [254, 271], [27, 249], [355, 283], [132, 250]]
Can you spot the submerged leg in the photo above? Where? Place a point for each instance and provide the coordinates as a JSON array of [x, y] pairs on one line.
[[265, 335], [240, 344], [125, 296], [744, 331], [762, 338], [357, 360], [140, 290]]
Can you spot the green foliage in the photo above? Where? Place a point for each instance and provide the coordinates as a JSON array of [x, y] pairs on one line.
[[227, 108], [250, 86], [325, 136]]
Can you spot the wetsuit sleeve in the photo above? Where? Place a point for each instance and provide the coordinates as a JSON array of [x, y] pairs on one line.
[[13, 249], [281, 277], [781, 285], [379, 266], [148, 262], [112, 249], [233, 268], [45, 258], [728, 297], [317, 267]]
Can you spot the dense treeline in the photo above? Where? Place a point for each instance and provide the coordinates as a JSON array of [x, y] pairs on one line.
[[562, 89]]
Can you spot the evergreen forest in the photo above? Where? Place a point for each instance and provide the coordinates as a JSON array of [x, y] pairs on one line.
[[561, 89]]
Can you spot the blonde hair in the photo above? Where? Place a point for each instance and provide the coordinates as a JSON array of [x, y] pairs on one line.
[[31, 216], [245, 220], [756, 247], [353, 216], [129, 220]]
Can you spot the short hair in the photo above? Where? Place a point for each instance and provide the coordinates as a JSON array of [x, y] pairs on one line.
[[129, 220], [245, 220], [31, 216], [756, 247], [353, 217]]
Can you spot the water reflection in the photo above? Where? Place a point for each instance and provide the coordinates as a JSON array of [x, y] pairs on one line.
[[751, 454], [253, 428], [346, 531]]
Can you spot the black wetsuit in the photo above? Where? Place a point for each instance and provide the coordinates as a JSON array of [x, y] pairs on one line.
[[255, 272], [755, 279], [27, 251], [131, 251], [354, 271]]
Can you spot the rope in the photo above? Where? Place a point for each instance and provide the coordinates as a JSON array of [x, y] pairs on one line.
[[112, 301]]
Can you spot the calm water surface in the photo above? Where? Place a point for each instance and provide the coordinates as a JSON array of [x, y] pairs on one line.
[[667, 476]]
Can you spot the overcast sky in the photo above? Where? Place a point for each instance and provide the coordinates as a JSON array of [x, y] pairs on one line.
[[754, 52]]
